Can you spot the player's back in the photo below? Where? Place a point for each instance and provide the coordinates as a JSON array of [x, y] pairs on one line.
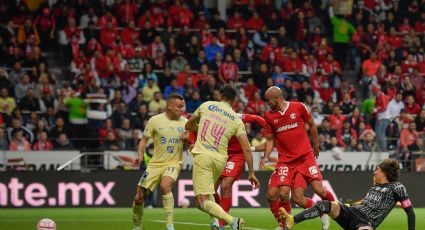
[[165, 133], [218, 123]]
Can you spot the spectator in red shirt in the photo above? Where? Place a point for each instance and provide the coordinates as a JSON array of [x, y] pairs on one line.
[[327, 93], [107, 18], [255, 22], [43, 144], [383, 116], [411, 106], [409, 140], [126, 11], [184, 74], [318, 78], [129, 34], [19, 143], [250, 89], [293, 64], [420, 24], [271, 48], [228, 70], [331, 66], [46, 26], [405, 27], [336, 119], [236, 21], [394, 39], [254, 105], [108, 35]]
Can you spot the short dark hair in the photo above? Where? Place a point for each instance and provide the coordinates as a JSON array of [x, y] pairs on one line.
[[175, 96], [391, 168], [228, 92]]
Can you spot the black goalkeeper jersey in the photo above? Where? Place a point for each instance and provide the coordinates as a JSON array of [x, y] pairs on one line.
[[379, 201]]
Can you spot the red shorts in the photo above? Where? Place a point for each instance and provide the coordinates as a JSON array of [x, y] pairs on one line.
[[234, 167], [307, 171], [297, 173]]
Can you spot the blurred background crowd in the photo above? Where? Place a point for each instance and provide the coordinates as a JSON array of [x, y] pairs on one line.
[[82, 74]]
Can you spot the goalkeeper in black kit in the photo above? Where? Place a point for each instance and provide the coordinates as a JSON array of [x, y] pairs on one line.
[[371, 211]]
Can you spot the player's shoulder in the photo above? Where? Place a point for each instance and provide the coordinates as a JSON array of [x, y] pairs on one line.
[[182, 119], [157, 117], [396, 185]]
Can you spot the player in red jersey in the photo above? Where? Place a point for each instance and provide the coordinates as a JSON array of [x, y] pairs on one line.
[[297, 167], [234, 167]]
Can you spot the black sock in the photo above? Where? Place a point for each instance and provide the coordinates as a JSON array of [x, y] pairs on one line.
[[313, 212]]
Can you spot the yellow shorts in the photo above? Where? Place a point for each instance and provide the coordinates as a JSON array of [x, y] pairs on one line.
[[206, 171], [154, 173]]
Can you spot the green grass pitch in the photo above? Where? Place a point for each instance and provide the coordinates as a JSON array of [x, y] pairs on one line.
[[190, 219]]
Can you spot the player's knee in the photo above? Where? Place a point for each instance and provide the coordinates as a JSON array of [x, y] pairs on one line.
[[165, 189], [297, 200], [226, 187], [324, 206]]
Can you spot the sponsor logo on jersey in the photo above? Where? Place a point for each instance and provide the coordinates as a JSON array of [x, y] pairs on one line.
[[276, 120], [313, 170], [286, 127], [180, 129], [163, 140], [293, 116], [215, 108], [170, 149]]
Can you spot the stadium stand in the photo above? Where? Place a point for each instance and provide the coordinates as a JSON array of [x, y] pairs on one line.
[[89, 74]]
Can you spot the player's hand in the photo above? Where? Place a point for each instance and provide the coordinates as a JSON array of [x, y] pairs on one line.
[[138, 160], [316, 150], [185, 137], [263, 162], [254, 181]]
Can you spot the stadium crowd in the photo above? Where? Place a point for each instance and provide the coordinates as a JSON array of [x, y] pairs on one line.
[[358, 67]]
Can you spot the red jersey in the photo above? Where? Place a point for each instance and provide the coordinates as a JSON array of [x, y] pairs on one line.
[[234, 148], [288, 128]]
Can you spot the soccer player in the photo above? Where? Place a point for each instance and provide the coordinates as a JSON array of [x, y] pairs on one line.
[[165, 129], [234, 166], [217, 124], [372, 210], [285, 129]]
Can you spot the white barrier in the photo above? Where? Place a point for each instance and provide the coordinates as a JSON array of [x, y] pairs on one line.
[[37, 160]]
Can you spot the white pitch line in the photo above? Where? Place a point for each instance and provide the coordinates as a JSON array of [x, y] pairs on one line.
[[198, 224]]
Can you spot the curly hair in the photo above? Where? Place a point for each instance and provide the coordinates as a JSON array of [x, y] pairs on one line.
[[391, 168]]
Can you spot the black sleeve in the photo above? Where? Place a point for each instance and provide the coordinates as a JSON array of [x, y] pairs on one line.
[[410, 217]]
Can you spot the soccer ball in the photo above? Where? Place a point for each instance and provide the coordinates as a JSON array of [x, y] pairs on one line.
[[46, 224], [184, 203]]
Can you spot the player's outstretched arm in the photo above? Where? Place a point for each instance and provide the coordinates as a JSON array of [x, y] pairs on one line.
[[141, 150], [314, 135], [268, 150], [411, 217], [243, 141]]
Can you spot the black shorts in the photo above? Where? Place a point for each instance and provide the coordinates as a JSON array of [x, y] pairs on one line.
[[349, 220]]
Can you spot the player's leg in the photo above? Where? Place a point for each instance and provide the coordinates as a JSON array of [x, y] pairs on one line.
[[147, 184], [320, 190], [226, 195], [206, 171], [331, 208], [168, 179], [138, 206], [217, 197], [300, 185], [166, 185]]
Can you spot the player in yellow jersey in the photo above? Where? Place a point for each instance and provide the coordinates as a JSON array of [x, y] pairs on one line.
[[217, 124], [165, 129]]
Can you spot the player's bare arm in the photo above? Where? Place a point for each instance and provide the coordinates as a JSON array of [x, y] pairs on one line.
[[141, 150], [192, 123], [243, 140], [315, 135], [268, 150]]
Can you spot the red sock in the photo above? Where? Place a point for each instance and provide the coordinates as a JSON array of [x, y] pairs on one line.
[[286, 205], [329, 196], [226, 203], [308, 203], [217, 198], [274, 208]]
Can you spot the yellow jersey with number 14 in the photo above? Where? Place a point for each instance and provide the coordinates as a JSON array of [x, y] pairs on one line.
[[165, 133], [217, 124]]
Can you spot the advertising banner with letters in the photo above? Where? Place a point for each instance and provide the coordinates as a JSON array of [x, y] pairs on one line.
[[116, 188]]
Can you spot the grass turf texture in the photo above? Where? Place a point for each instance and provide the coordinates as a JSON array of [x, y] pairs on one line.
[[190, 219]]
